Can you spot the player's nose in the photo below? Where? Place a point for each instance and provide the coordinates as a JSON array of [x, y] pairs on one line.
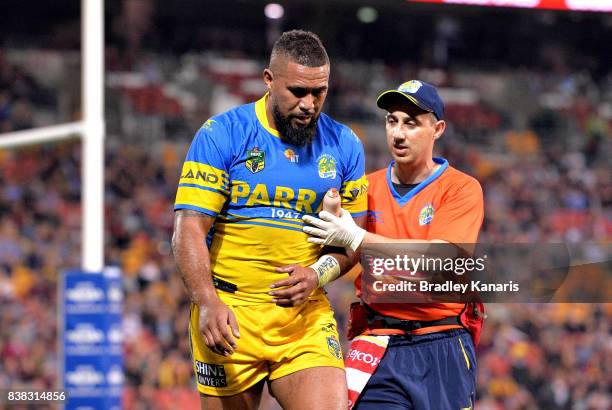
[[307, 104]]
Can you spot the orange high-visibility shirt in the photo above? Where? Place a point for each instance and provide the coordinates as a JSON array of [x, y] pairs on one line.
[[448, 205]]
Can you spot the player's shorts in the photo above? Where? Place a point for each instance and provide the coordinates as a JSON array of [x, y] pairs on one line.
[[274, 342], [431, 371]]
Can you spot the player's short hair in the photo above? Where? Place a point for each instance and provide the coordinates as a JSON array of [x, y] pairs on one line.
[[302, 47]]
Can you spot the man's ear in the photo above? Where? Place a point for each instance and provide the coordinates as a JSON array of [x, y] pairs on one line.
[[440, 127], [268, 78]]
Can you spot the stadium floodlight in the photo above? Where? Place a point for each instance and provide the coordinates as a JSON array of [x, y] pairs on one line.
[[274, 11], [367, 14]]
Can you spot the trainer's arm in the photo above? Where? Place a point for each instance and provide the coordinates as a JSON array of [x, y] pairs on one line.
[[346, 257], [303, 280], [372, 238], [193, 262], [343, 231]]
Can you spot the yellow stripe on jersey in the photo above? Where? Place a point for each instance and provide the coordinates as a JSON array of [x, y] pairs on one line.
[[202, 187], [203, 175], [291, 224], [260, 111], [355, 195], [200, 198]]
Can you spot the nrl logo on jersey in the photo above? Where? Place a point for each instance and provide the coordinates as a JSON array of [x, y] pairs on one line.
[[426, 214], [327, 166], [256, 160]]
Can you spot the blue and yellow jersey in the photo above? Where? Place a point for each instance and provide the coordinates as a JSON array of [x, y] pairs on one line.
[[258, 187]]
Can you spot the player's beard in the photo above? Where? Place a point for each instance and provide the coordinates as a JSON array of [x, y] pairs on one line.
[[298, 136]]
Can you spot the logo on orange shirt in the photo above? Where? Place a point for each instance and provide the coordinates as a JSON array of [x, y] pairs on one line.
[[426, 214]]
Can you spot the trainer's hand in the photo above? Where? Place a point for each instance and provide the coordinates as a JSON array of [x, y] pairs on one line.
[[301, 282], [214, 322], [334, 231]]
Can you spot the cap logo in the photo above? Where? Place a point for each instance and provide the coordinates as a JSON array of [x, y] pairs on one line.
[[410, 87]]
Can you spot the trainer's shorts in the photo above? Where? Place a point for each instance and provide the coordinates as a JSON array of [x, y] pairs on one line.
[[274, 342], [432, 371]]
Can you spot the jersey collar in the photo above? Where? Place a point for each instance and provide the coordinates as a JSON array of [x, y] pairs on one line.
[[401, 200], [260, 112]]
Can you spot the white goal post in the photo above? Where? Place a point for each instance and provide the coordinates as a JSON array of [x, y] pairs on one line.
[[91, 130]]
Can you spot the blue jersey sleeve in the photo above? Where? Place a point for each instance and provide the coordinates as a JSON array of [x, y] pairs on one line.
[[204, 182], [354, 191]]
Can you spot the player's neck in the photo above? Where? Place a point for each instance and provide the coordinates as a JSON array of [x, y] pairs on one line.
[[413, 173], [269, 114]]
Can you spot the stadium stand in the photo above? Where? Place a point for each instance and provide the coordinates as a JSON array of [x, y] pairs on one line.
[[539, 142]]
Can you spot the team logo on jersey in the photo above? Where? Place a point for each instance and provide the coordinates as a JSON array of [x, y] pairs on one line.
[[208, 124], [327, 166], [426, 214], [255, 161], [334, 347], [291, 156], [411, 86]]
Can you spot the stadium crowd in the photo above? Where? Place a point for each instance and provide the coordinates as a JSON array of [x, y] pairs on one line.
[[545, 176], [18, 93]]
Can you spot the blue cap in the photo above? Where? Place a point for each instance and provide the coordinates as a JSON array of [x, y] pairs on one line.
[[419, 93]]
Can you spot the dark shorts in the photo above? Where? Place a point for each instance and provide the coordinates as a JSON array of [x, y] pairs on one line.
[[435, 371]]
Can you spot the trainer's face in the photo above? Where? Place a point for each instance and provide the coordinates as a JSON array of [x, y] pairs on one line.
[[411, 133], [297, 94]]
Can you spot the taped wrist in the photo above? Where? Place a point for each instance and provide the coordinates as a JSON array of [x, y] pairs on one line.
[[327, 269]]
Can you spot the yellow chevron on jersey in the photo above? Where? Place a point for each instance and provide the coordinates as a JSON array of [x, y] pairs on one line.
[[351, 190], [240, 171], [202, 185], [204, 176]]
